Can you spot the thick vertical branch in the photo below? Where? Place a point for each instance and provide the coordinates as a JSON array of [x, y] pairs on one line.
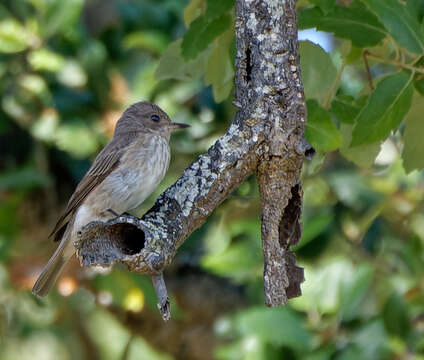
[[266, 137], [275, 95]]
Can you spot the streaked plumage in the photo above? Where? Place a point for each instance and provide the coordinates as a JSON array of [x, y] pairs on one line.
[[121, 177]]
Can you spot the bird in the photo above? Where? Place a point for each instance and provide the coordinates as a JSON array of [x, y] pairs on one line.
[[121, 177]]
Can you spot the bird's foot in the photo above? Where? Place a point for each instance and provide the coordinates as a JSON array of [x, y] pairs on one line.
[[113, 212]]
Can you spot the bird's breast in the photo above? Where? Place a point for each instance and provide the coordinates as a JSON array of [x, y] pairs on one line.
[[141, 170]]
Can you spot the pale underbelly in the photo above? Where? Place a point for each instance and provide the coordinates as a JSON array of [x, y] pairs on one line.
[[126, 187]]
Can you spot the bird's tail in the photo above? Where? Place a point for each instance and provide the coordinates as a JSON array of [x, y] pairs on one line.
[[53, 269]]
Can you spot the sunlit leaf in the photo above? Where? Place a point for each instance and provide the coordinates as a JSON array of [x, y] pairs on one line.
[[36, 85], [134, 300], [388, 104], [44, 128], [72, 74], [278, 326], [322, 289], [13, 36], [154, 41], [44, 59], [77, 139], [240, 261], [248, 348]]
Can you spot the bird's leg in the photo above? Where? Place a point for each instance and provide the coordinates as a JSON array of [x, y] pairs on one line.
[[113, 212]]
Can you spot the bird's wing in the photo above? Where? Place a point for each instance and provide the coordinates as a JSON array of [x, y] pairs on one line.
[[107, 160]]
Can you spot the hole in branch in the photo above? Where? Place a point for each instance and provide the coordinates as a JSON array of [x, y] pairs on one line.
[[309, 153], [248, 65], [129, 238], [290, 228]]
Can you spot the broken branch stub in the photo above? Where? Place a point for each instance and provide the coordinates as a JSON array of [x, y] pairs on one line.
[[266, 137]]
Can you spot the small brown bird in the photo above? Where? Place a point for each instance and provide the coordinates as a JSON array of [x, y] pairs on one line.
[[121, 177]]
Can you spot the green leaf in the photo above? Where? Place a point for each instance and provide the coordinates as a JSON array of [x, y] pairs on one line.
[[44, 59], [413, 149], [240, 261], [217, 237], [355, 23], [322, 290], [415, 9], [219, 72], [354, 290], [45, 127], [217, 8], [404, 28], [247, 348], [277, 326], [310, 17], [387, 106], [312, 228], [201, 33], [395, 315], [320, 130], [312, 60], [325, 5], [24, 178], [77, 139], [363, 155], [60, 16], [173, 66], [192, 11], [13, 36], [419, 85], [344, 109], [371, 339], [419, 78], [154, 41]]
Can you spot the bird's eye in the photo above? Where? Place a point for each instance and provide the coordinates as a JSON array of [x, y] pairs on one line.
[[155, 118]]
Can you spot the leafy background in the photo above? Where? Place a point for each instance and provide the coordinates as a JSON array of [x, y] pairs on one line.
[[69, 68]]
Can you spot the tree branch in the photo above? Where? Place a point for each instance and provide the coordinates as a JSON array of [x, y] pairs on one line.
[[266, 137]]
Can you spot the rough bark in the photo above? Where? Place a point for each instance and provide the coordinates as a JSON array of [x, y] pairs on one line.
[[265, 137]]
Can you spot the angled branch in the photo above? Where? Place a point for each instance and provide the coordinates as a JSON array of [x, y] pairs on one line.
[[265, 137]]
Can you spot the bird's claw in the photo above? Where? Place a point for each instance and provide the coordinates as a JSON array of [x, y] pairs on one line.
[[113, 212]]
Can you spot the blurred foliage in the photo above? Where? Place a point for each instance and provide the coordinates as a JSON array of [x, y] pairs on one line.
[[69, 68]]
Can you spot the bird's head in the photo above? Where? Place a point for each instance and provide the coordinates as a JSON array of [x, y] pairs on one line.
[[147, 118]]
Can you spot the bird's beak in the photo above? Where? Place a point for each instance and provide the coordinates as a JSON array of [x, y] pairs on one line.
[[175, 126]]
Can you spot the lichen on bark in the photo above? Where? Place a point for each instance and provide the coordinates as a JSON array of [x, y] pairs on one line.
[[266, 137]]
